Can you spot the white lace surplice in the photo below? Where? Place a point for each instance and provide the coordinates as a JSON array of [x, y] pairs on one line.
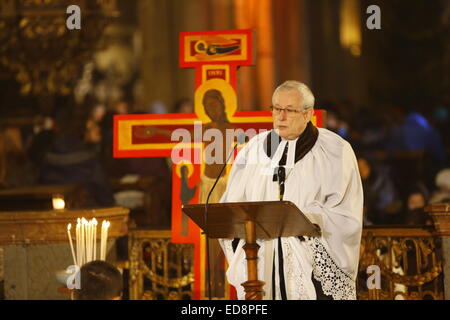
[[326, 186]]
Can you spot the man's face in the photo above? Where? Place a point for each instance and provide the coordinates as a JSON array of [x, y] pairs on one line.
[[290, 125], [416, 201]]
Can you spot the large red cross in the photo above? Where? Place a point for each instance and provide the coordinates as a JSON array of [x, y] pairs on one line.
[[216, 56]]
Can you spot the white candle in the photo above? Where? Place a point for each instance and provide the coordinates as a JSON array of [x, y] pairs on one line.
[[88, 237], [87, 241], [81, 244], [101, 241], [106, 237], [83, 241], [77, 233], [91, 244], [95, 239], [92, 239], [69, 226]]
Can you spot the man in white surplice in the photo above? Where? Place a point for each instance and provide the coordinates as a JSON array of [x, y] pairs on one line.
[[317, 170]]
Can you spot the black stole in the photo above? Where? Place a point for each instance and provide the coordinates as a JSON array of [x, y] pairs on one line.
[[304, 144]]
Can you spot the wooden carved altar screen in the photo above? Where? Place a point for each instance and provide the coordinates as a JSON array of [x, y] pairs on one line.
[[158, 268], [409, 260]]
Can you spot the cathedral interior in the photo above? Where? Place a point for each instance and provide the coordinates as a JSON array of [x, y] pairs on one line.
[[380, 72]]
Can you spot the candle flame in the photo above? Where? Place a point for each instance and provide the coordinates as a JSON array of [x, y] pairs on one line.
[[69, 226]]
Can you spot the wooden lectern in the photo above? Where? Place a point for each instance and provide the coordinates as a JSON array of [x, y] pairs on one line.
[[251, 221]]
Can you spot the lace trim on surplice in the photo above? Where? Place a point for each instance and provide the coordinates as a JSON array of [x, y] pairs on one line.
[[334, 281], [295, 277]]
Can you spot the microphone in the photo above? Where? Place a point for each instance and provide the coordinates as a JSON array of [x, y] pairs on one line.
[[241, 139]]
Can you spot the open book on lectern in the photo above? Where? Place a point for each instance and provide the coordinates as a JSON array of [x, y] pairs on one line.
[[272, 219]]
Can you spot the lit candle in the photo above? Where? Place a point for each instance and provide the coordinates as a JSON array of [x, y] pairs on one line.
[[69, 226], [83, 241], [91, 236], [106, 237], [88, 241], [78, 237], [102, 239], [95, 239], [91, 245]]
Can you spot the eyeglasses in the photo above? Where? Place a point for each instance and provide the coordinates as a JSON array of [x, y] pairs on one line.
[[290, 112]]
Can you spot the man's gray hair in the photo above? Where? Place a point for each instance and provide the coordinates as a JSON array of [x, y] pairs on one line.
[[305, 93]]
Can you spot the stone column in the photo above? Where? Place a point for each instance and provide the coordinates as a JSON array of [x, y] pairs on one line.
[[156, 64], [256, 84], [160, 24], [440, 212]]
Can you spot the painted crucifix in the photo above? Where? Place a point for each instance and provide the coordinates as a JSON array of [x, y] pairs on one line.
[[199, 143]]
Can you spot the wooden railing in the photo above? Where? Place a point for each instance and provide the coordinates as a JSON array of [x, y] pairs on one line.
[[159, 269], [409, 261]]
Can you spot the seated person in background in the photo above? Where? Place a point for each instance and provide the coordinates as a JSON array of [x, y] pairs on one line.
[[415, 207], [382, 203], [16, 169], [442, 194], [99, 280], [69, 155], [184, 105], [415, 137], [416, 133]]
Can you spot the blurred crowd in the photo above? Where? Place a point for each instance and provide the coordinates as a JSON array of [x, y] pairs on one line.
[[74, 146], [403, 157]]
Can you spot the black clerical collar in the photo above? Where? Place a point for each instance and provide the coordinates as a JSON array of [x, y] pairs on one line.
[[304, 143]]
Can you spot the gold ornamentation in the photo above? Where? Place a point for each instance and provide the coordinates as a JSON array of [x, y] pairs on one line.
[[440, 212], [37, 227], [409, 261], [38, 47], [159, 269]]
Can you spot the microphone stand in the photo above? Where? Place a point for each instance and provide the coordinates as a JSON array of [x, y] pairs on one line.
[[208, 274]]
